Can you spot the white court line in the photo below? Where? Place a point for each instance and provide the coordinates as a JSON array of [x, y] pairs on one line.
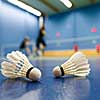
[[73, 39], [59, 58], [55, 41]]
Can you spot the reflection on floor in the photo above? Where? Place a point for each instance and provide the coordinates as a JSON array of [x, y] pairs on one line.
[[50, 88]]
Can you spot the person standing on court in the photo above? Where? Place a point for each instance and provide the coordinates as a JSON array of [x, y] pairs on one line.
[[40, 42], [24, 47]]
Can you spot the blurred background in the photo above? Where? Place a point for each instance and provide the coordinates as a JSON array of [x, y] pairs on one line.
[[68, 28]]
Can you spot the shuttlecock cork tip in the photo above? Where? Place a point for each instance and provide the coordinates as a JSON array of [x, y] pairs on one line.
[[57, 71], [35, 74]]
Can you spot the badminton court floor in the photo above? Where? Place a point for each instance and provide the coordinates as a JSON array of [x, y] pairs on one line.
[[50, 88]]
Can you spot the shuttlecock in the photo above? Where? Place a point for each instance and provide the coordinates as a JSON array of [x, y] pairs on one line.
[[18, 65], [77, 65]]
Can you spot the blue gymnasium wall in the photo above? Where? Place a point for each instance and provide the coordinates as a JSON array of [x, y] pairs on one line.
[[15, 24], [74, 25]]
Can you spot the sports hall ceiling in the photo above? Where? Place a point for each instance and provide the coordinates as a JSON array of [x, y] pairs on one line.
[[49, 7]]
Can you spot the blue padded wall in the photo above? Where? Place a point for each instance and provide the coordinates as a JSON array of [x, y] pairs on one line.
[[75, 28], [15, 24], [62, 24], [86, 19]]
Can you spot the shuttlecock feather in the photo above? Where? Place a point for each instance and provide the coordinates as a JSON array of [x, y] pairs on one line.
[[77, 65], [18, 65]]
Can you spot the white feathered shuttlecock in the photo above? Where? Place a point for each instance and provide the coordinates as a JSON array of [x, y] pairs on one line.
[[77, 65], [18, 65]]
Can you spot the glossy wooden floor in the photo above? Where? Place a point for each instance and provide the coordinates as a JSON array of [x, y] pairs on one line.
[[50, 88]]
